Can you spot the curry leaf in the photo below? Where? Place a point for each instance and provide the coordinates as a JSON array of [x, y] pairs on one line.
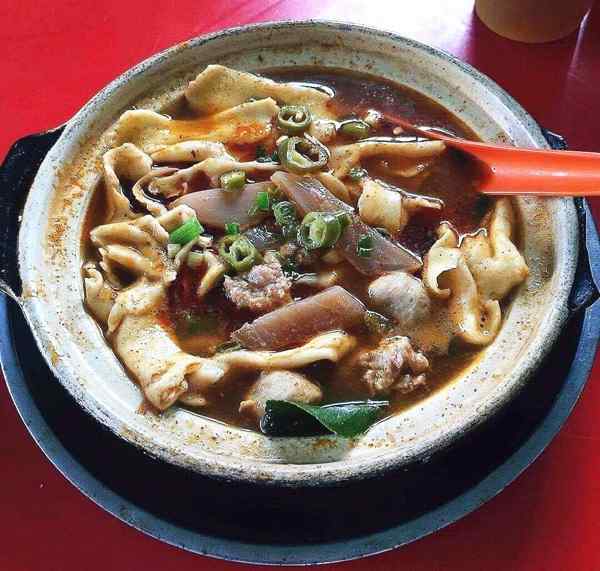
[[286, 418]]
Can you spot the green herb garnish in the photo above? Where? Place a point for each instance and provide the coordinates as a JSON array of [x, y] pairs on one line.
[[232, 228], [262, 202], [284, 213], [286, 418]]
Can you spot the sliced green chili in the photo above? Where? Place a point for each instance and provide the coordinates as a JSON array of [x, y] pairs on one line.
[[319, 230], [356, 173], [232, 228], [294, 119], [302, 155], [364, 246], [354, 129], [187, 232], [233, 181], [239, 252]]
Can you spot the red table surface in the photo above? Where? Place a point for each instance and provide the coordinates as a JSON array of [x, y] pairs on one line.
[[57, 55]]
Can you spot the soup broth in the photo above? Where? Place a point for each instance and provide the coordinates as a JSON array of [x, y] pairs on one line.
[[202, 326]]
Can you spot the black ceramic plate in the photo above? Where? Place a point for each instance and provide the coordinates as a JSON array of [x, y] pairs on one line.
[[313, 525]]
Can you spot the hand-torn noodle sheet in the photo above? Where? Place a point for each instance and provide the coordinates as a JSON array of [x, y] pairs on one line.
[[203, 239]]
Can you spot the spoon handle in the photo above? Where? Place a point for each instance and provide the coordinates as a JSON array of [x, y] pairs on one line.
[[515, 170], [541, 172]]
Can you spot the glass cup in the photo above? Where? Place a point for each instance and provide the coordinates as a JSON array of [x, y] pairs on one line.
[[532, 21]]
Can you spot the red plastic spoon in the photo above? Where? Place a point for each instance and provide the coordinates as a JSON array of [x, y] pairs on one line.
[[514, 170]]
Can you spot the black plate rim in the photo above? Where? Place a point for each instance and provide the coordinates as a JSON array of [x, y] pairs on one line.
[[344, 550]]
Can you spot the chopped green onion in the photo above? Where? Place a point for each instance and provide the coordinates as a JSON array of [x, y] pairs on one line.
[[232, 228], [195, 260], [187, 232], [302, 155], [233, 181], [173, 250], [294, 119], [356, 173], [319, 230], [354, 129], [263, 201], [364, 246], [239, 252]]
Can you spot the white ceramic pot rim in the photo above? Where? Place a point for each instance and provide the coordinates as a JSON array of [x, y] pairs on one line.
[[67, 350]]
